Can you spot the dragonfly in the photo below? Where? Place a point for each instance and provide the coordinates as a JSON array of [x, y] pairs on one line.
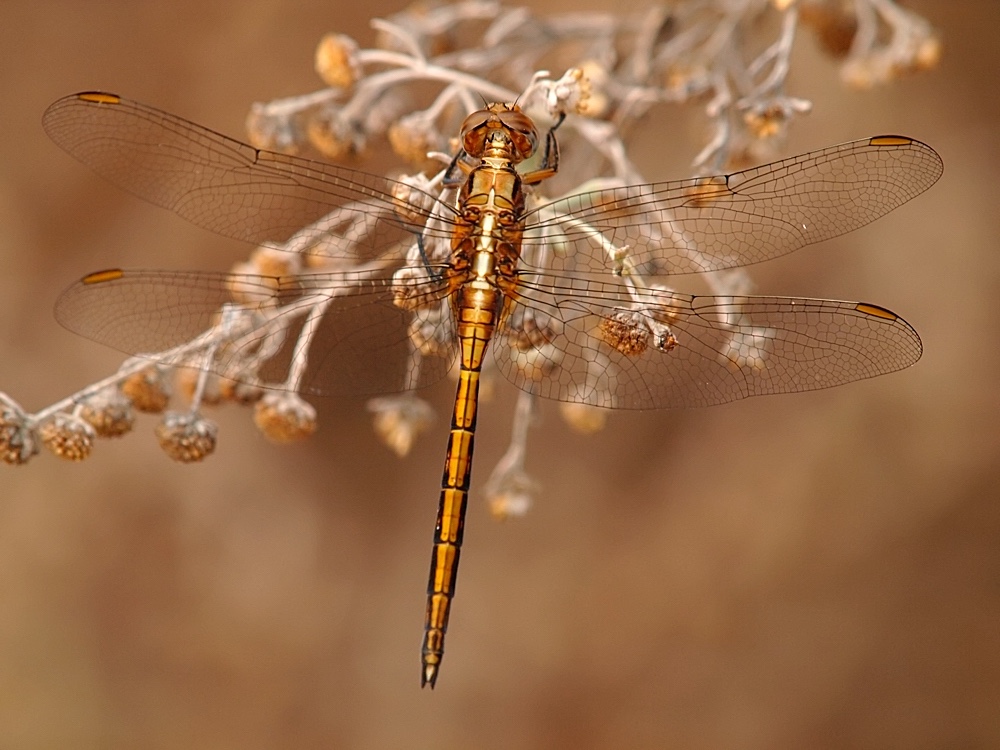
[[567, 296]]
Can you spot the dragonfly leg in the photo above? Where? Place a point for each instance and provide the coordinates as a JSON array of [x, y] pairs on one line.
[[550, 157]]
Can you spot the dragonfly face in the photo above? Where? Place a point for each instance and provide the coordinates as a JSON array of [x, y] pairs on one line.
[[499, 127], [387, 286]]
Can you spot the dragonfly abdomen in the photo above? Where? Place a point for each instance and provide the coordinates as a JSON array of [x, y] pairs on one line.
[[476, 314]]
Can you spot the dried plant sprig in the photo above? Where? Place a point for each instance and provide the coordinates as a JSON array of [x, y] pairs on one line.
[[431, 67]]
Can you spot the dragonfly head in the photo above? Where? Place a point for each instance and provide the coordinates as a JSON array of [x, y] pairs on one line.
[[502, 129]]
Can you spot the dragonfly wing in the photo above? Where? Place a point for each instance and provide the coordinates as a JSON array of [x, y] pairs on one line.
[[363, 343], [227, 186], [714, 223], [591, 341]]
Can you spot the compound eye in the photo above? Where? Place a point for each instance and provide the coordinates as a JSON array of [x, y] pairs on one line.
[[525, 143], [522, 132], [476, 120], [515, 119], [474, 132]]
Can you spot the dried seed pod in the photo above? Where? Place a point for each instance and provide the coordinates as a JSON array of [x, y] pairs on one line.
[[510, 495], [399, 419], [272, 261], [766, 121], [109, 412], [186, 437], [834, 25], [274, 130], [332, 136], [18, 437], [625, 331], [285, 417], [337, 61], [928, 53], [583, 418], [247, 286], [413, 136], [147, 390], [68, 436]]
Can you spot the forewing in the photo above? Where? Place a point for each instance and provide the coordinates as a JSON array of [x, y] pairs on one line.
[[363, 342], [714, 223], [230, 187], [590, 341]]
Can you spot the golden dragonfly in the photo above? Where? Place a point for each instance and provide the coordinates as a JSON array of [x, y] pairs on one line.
[[397, 282]]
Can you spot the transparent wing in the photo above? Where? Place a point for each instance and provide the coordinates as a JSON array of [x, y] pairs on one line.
[[230, 187], [597, 342], [713, 223], [565, 335], [362, 341]]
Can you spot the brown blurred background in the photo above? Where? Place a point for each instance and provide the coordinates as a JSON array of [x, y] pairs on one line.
[[819, 570]]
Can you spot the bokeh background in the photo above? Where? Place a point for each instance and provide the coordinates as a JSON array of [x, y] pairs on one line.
[[818, 570]]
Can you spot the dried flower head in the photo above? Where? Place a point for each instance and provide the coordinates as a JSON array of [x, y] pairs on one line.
[[413, 136], [580, 91], [510, 495], [18, 437], [272, 261], [337, 61], [928, 53], [407, 192], [274, 130], [109, 412], [285, 417], [247, 287], [186, 436], [332, 135], [147, 390], [399, 419], [765, 121], [583, 418], [834, 25], [625, 331], [769, 118], [594, 100], [68, 436]]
